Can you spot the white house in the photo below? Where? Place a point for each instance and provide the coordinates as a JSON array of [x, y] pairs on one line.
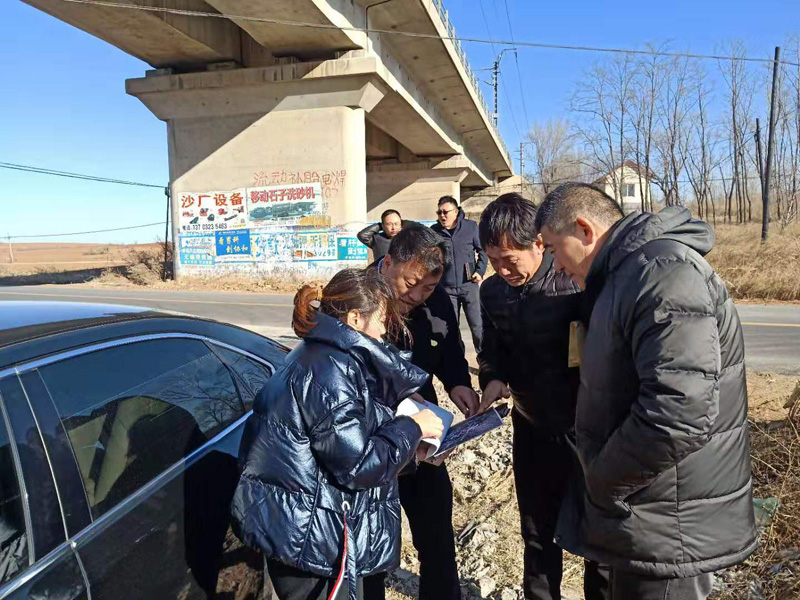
[[632, 181]]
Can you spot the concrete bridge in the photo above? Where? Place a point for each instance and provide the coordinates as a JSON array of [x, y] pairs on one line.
[[291, 137]]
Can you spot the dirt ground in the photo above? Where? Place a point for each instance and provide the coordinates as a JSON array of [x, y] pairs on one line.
[[28, 257], [66, 263]]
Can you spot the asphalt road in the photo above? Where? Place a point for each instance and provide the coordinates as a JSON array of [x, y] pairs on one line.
[[772, 332]]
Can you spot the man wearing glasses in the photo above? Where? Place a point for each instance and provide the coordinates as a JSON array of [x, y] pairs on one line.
[[467, 263]]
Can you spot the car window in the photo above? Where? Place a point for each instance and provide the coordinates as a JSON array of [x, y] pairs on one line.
[[132, 411], [253, 374], [13, 533]]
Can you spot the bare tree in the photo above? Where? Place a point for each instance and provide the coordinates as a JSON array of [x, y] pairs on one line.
[[703, 159], [554, 158], [786, 181], [649, 80], [740, 91], [674, 108], [602, 103]]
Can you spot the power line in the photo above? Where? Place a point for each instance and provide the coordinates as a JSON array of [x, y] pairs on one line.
[[43, 171], [51, 235], [510, 107], [502, 81], [454, 38], [519, 74]]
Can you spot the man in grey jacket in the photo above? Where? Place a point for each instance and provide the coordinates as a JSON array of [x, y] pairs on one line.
[[661, 420]]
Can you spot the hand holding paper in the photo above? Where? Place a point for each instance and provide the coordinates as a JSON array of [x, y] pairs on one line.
[[452, 435]]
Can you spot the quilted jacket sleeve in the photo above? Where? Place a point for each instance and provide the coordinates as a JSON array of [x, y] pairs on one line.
[[490, 357], [357, 456], [672, 330], [367, 235]]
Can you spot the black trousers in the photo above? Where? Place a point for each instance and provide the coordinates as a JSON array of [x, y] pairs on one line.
[[427, 498], [468, 296], [630, 586], [543, 467], [289, 583]]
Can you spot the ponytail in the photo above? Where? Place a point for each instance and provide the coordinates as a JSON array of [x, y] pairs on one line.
[[304, 315], [364, 290]]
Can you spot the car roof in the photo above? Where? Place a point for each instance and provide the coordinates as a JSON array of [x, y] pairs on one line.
[[22, 321]]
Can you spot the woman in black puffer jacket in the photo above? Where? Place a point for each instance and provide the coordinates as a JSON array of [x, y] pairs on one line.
[[321, 453]]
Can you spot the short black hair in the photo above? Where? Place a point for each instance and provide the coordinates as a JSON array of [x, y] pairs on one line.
[[417, 243], [391, 211], [448, 200], [510, 220], [567, 202]]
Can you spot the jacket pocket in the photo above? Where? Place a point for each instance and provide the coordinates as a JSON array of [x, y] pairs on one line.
[[383, 540]]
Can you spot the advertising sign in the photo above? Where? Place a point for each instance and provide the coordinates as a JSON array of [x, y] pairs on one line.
[[349, 248], [196, 249], [233, 246], [212, 211], [315, 246], [284, 204]]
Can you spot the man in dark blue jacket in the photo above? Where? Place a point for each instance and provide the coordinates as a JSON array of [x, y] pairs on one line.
[[467, 263], [414, 266]]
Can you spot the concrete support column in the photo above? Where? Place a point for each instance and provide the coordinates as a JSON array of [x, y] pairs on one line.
[[414, 188], [250, 129], [283, 147]]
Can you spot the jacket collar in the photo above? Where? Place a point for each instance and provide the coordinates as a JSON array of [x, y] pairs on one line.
[[459, 221], [544, 267], [634, 231], [399, 377]]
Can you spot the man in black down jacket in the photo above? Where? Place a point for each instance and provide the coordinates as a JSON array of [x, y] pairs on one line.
[[661, 421], [413, 267], [528, 308], [377, 237], [466, 263]]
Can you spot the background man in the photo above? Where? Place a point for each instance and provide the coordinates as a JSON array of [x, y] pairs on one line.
[[377, 237], [467, 263], [414, 265], [527, 309], [661, 420]]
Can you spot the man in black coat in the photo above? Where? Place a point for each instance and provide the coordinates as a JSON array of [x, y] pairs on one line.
[[414, 265], [528, 309], [661, 420], [467, 263], [377, 237]]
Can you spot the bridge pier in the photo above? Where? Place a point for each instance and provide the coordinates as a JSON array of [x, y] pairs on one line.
[[413, 188], [292, 149]]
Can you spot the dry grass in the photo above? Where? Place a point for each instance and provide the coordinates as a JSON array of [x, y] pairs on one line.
[[772, 572], [756, 271]]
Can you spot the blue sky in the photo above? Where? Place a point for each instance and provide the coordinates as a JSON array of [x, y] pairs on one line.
[[64, 105]]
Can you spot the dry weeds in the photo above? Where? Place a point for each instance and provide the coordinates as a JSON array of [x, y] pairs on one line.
[[772, 573], [756, 271]]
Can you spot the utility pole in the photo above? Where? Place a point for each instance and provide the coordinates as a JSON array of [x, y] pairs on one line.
[[166, 235], [10, 249], [770, 139], [759, 156], [522, 159], [496, 81]]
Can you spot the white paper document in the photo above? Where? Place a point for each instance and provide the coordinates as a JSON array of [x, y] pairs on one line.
[[453, 435]]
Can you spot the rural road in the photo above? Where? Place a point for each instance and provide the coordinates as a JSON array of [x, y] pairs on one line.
[[772, 332]]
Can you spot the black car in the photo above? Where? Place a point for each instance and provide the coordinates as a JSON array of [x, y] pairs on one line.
[[119, 435]]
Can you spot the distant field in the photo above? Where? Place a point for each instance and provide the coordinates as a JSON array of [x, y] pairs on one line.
[[32, 258]]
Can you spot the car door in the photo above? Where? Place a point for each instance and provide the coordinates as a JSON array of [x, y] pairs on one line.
[[154, 425], [36, 561]]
